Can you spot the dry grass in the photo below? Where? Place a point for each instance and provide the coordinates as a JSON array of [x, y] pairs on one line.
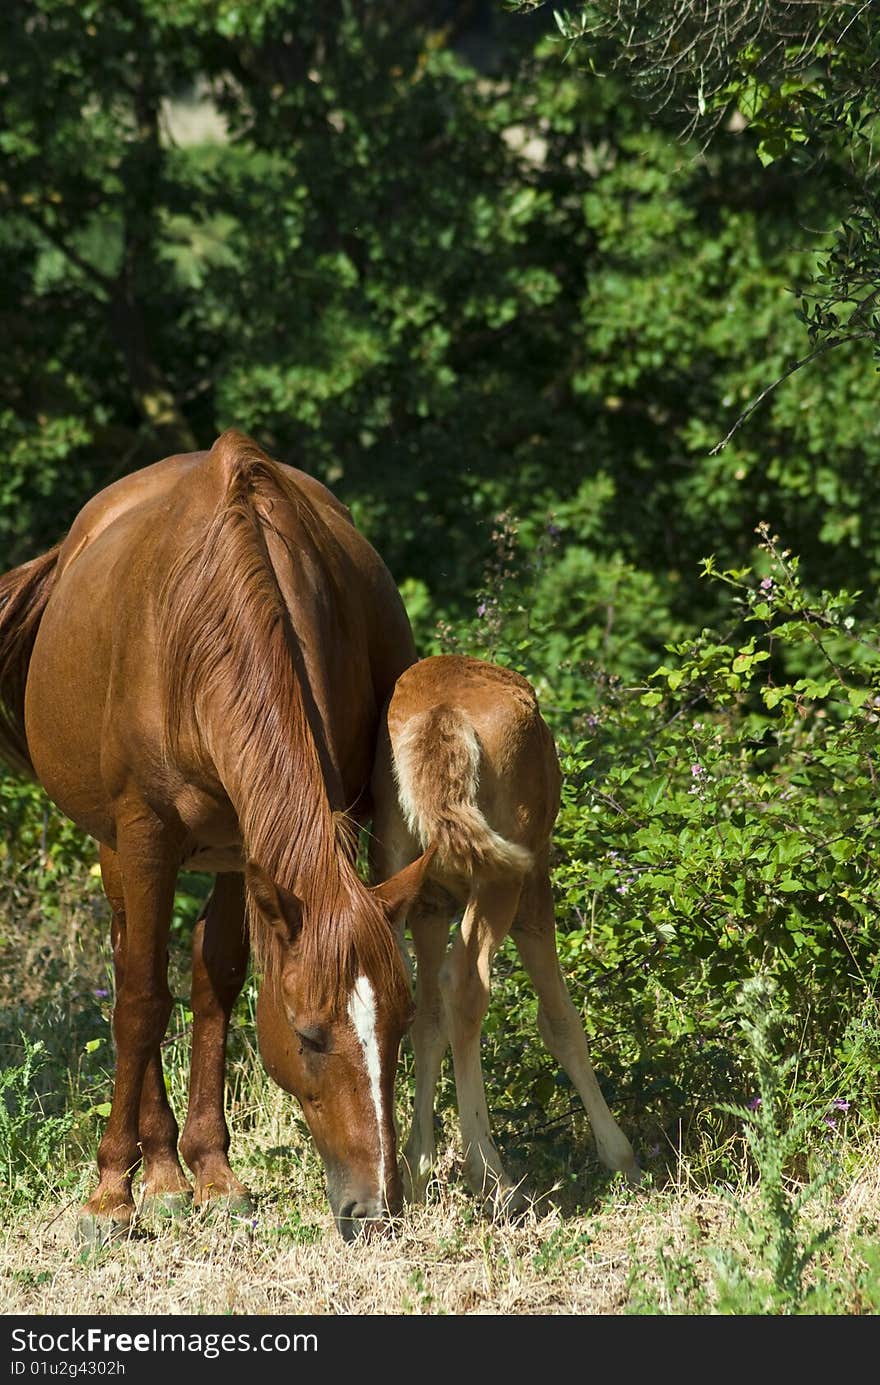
[[639, 1252]]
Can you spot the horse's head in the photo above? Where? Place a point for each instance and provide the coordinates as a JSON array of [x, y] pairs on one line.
[[336, 1047]]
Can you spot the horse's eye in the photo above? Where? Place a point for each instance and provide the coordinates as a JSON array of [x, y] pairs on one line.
[[313, 1038]]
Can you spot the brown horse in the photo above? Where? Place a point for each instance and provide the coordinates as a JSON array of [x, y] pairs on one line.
[[195, 676], [465, 761]]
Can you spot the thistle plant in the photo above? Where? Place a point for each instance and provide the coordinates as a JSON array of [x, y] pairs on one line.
[[776, 1230]]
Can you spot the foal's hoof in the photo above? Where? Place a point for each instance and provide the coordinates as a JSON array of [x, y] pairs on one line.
[[166, 1206], [506, 1203], [414, 1182], [630, 1168], [97, 1232]]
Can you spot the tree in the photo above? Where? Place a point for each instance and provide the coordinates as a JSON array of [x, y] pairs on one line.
[[804, 77]]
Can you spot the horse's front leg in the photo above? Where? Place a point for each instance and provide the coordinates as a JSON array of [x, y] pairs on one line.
[[165, 1185], [145, 865], [220, 955]]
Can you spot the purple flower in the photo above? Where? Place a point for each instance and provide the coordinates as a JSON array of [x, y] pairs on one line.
[[831, 1122], [481, 609], [101, 994], [753, 1104], [839, 1104], [554, 530], [767, 584], [697, 770]]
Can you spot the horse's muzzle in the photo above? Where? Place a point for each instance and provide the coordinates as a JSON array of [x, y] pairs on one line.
[[368, 1217], [363, 1211]]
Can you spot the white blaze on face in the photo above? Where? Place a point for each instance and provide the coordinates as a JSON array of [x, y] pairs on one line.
[[362, 1013]]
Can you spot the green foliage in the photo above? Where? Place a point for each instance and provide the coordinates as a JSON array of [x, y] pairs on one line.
[[39, 847], [31, 1142], [802, 78]]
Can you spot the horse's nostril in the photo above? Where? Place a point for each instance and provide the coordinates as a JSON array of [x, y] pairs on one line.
[[356, 1218]]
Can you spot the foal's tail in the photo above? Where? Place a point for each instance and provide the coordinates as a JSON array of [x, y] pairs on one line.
[[23, 595], [437, 767]]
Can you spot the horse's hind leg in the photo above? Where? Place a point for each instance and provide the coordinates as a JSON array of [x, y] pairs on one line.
[[220, 954], [534, 932], [165, 1185], [429, 926], [148, 872], [465, 983]]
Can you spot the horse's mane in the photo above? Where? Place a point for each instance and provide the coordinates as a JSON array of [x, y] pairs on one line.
[[230, 654]]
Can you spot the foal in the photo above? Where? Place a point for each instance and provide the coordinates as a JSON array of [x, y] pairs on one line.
[[466, 762]]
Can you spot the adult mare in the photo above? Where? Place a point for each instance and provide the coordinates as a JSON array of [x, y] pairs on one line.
[[195, 676]]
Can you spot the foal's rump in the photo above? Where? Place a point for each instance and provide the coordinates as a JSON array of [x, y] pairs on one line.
[[474, 766], [437, 763]]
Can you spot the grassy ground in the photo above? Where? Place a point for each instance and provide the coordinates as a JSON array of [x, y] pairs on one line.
[[786, 1228], [656, 1251]]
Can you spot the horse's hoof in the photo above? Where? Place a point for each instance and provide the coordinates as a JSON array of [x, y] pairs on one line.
[[235, 1214], [235, 1205], [167, 1206], [97, 1232], [238, 1206]]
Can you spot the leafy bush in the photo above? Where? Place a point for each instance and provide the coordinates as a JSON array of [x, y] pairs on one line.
[[718, 818]]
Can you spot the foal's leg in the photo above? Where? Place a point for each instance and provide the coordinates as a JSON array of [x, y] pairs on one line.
[[148, 867], [465, 984], [164, 1183], [220, 954], [430, 933], [534, 932], [391, 848]]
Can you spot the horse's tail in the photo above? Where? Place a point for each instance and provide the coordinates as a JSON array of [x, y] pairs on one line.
[[437, 768], [23, 595]]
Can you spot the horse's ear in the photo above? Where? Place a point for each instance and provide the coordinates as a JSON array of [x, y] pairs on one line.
[[281, 908], [401, 891]]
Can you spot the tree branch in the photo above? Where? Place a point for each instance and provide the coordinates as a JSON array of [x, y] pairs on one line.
[[805, 360], [55, 238]]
